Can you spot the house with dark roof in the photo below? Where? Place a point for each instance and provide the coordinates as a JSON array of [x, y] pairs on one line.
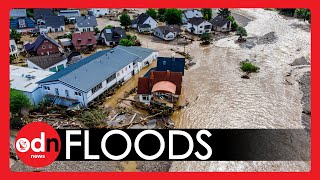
[[52, 24], [22, 25], [221, 24], [40, 13], [112, 36], [70, 14], [144, 23], [197, 25], [18, 13], [168, 32], [51, 62], [43, 45], [162, 87], [85, 23], [84, 41], [191, 13], [85, 80]]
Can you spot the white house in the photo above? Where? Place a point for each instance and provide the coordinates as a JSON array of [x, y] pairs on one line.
[[144, 23], [85, 23], [52, 62], [168, 32], [198, 26], [191, 13], [85, 80], [98, 12], [25, 80], [13, 49]]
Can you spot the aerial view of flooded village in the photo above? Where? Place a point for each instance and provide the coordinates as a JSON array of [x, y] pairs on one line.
[[160, 69]]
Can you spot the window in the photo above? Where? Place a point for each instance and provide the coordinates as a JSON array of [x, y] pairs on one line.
[[67, 93], [43, 46], [111, 78], [57, 91], [50, 46], [164, 63], [145, 98], [118, 74], [60, 67], [200, 26], [129, 66], [54, 69], [96, 88], [46, 88], [77, 93]]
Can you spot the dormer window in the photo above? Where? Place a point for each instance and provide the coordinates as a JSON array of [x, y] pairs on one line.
[[22, 23], [79, 40]]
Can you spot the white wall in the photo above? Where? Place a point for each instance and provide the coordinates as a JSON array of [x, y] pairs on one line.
[[152, 22], [145, 101], [84, 29], [200, 28], [47, 29]]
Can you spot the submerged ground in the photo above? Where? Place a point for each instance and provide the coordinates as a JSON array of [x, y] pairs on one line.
[[275, 97]]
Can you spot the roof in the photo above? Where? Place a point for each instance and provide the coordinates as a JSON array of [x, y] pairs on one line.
[[146, 84], [165, 86], [70, 13], [196, 20], [114, 34], [86, 21], [41, 13], [65, 42], [54, 21], [24, 79], [34, 46], [27, 22], [94, 69], [219, 21], [47, 61], [15, 13], [141, 19], [190, 13], [83, 38], [169, 28], [172, 64]]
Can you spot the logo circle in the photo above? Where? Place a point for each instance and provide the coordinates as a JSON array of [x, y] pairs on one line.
[[37, 144]]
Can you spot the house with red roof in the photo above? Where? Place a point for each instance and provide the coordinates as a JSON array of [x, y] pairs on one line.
[[161, 87], [84, 41]]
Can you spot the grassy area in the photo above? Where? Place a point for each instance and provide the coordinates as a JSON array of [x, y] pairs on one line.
[[249, 67]]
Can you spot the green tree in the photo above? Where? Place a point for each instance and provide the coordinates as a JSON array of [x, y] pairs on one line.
[[207, 13], [303, 14], [14, 34], [206, 37], [248, 67], [241, 31], [125, 20], [18, 101], [161, 12], [152, 12], [125, 42], [287, 11], [96, 31], [12, 58], [109, 26], [30, 13], [234, 24], [224, 12], [173, 16]]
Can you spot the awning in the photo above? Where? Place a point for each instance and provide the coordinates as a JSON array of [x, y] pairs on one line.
[[164, 86]]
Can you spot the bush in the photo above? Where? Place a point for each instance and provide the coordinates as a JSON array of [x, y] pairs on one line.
[[234, 24], [18, 101], [206, 37], [241, 31], [248, 67], [125, 42], [93, 119]]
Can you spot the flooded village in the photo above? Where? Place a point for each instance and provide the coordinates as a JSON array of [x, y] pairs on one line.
[[94, 70]]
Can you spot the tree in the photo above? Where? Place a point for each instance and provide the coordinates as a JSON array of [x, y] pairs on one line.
[[173, 16], [234, 24], [241, 31], [96, 31], [161, 12], [125, 42], [109, 26], [14, 34], [18, 100], [30, 13], [224, 12], [206, 38], [287, 11], [152, 12], [303, 14], [125, 20], [207, 13], [12, 58]]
